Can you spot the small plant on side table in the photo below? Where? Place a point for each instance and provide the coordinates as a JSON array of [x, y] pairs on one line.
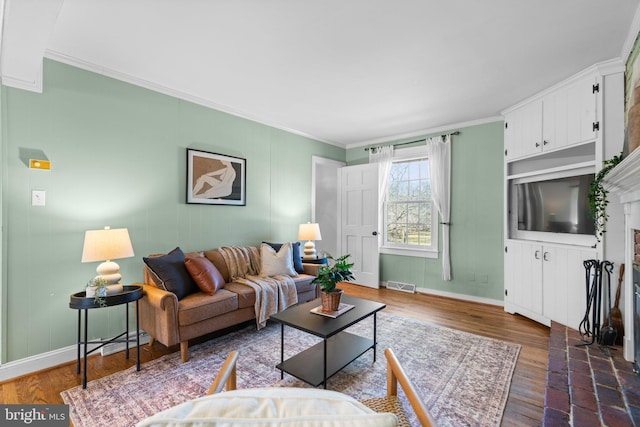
[[338, 270], [97, 288]]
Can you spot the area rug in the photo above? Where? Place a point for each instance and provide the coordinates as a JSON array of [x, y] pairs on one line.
[[464, 379]]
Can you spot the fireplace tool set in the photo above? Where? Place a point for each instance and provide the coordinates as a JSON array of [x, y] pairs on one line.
[[597, 282]]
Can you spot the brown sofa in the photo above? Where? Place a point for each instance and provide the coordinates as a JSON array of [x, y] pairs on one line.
[[170, 320]]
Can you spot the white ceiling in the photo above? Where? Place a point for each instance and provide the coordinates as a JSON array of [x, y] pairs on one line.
[[348, 72]]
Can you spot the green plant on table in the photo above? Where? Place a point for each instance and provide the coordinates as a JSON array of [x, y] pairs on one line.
[[598, 196], [337, 270], [100, 288]]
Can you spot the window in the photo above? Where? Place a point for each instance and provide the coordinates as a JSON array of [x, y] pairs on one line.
[[410, 219]]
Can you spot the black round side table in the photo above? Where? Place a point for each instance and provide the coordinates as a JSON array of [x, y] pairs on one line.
[[80, 302]]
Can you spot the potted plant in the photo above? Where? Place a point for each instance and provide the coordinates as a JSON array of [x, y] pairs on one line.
[[598, 196], [97, 288], [337, 270]]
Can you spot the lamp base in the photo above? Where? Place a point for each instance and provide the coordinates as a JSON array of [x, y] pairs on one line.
[[310, 250], [109, 271]]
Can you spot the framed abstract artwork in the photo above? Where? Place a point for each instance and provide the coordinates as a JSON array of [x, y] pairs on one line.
[[215, 179]]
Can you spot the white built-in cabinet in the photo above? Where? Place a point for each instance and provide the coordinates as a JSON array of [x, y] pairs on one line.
[[561, 118], [558, 131], [546, 282]]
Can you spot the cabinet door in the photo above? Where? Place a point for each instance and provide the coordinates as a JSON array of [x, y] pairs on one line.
[[523, 278], [564, 283], [523, 131], [581, 111], [554, 120]]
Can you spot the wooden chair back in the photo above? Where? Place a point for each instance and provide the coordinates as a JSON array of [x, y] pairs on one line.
[[395, 375], [226, 377]]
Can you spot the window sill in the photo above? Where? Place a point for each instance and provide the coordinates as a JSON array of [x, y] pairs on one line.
[[420, 253]]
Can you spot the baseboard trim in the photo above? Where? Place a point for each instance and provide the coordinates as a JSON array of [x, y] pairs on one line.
[[453, 295], [54, 358]]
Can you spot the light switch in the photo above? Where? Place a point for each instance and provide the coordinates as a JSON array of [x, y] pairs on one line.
[[38, 197]]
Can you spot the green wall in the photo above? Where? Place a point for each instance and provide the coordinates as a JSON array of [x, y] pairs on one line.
[[476, 242], [118, 155]]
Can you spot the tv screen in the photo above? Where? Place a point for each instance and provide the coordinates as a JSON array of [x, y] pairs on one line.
[[556, 205]]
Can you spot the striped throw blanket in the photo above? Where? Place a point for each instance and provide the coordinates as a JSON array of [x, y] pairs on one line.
[[273, 294]]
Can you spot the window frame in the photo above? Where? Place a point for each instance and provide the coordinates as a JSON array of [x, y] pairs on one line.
[[403, 155]]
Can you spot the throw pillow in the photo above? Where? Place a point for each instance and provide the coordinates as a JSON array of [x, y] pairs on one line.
[[274, 263], [205, 274], [171, 273], [295, 253]]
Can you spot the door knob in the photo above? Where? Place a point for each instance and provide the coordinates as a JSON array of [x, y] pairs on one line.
[[375, 233]]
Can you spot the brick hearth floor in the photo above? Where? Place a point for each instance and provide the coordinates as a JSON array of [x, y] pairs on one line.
[[585, 387]]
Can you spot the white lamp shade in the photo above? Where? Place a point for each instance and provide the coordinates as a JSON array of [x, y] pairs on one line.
[[309, 231], [107, 244]]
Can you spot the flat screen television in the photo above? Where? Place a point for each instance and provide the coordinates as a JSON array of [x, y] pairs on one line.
[[558, 205]]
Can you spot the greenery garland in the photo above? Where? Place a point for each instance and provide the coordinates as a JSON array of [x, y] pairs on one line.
[[598, 196]]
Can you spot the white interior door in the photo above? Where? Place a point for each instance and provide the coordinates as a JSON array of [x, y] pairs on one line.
[[359, 221]]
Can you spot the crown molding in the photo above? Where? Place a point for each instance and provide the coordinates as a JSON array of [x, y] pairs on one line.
[[30, 85], [421, 133], [604, 68], [136, 81]]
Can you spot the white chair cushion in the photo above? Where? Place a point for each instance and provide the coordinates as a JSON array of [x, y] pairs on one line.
[[272, 407]]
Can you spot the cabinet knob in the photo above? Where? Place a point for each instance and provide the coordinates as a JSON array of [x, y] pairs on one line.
[[545, 142], [375, 233], [537, 144], [536, 254], [545, 256]]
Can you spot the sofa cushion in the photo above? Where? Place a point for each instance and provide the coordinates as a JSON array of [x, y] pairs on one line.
[[200, 306], [205, 274], [216, 259], [246, 294], [274, 263], [295, 254], [303, 283], [170, 274]]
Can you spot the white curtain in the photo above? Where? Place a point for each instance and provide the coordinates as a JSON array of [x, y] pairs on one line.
[[439, 153], [384, 157]]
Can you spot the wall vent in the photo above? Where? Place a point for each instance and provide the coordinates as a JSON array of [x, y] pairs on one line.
[[399, 286]]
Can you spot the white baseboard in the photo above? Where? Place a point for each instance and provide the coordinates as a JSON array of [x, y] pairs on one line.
[[54, 358], [456, 296]]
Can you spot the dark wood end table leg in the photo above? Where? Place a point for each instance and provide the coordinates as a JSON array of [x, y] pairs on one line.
[[137, 337], [84, 362], [79, 340]]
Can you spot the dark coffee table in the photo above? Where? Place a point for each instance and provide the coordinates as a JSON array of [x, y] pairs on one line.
[[338, 348]]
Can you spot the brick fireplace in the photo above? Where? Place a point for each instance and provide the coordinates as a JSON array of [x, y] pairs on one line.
[[624, 182]]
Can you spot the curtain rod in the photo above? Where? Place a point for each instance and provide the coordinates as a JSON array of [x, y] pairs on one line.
[[417, 140]]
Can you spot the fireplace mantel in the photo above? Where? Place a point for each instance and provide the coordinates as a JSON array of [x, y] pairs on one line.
[[624, 181]]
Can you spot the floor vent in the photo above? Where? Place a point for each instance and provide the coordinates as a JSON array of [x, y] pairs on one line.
[[399, 286]]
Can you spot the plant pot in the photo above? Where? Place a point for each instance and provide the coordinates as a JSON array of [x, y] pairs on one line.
[[95, 291], [331, 300]]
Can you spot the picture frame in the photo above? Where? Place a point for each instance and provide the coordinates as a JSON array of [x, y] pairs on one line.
[[215, 179]]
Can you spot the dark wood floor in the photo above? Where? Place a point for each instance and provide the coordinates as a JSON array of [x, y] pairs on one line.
[[526, 397]]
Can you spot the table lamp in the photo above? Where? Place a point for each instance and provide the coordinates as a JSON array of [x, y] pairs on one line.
[[106, 245], [309, 232]]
